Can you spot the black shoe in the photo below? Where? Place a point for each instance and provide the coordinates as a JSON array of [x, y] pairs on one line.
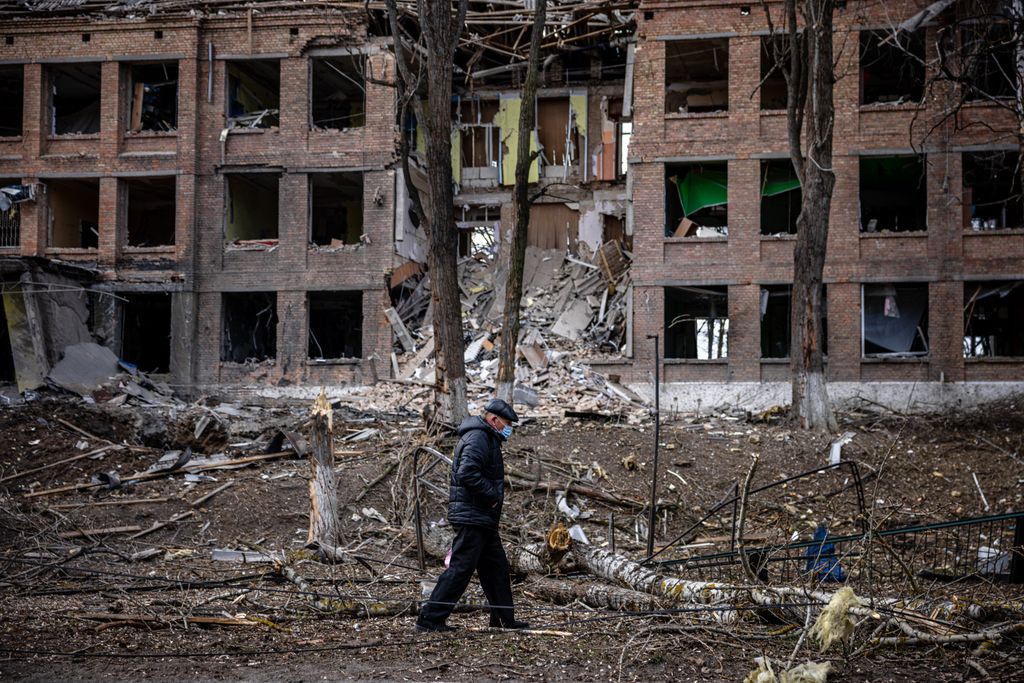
[[423, 627], [513, 625]]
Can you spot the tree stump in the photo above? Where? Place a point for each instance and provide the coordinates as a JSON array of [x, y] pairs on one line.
[[323, 490]]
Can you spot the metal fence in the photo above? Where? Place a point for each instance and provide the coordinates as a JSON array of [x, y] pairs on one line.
[[10, 228]]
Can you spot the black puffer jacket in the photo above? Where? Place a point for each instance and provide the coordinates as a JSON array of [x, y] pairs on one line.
[[478, 475]]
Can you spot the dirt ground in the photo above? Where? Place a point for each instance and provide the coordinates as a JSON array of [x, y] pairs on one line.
[[79, 602]]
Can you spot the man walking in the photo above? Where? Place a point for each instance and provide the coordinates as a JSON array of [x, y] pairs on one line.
[[474, 509]]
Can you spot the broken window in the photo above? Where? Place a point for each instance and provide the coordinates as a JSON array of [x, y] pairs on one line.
[[894, 320], [697, 76], [335, 325], [254, 93], [150, 211], [249, 327], [992, 190], [993, 319], [74, 209], [146, 331], [557, 131], [74, 98], [336, 211], [893, 194], [780, 197], [773, 83], [154, 97], [480, 138], [12, 192], [338, 92], [989, 61], [696, 322], [891, 67], [12, 99], [478, 230], [696, 200], [251, 205], [776, 302]]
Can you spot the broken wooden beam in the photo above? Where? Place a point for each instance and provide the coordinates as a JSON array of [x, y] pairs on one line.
[[88, 533], [404, 338]]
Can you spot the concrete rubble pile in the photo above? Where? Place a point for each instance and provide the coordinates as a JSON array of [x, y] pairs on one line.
[[573, 311]]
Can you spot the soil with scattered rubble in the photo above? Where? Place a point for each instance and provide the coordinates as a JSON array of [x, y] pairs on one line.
[[80, 599]]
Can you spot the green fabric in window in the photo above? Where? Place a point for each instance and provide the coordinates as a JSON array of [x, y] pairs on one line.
[[700, 189], [777, 180]]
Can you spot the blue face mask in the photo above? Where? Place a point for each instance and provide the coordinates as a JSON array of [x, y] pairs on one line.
[[507, 431]]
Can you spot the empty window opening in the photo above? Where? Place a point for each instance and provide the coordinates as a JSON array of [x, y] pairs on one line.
[[696, 322], [150, 211], [776, 326], [336, 212], [249, 327], [74, 209], [74, 99], [696, 200], [697, 76], [251, 205], [254, 93], [12, 100], [557, 132], [992, 190], [891, 68], [893, 194], [480, 138], [12, 193], [154, 97], [339, 92], [989, 61], [895, 320], [335, 325], [773, 83], [780, 197], [478, 231], [993, 319], [146, 331], [6, 352]]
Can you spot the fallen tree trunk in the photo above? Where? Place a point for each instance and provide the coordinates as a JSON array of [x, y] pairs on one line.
[[597, 595], [534, 558]]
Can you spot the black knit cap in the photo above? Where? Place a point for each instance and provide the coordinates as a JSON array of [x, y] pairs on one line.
[[501, 409]]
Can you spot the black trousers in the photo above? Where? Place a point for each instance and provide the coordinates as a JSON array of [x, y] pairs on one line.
[[475, 548]]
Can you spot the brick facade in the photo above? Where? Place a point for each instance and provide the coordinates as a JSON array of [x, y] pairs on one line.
[[943, 256]]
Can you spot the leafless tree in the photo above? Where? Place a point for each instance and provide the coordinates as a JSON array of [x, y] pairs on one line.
[[520, 215], [803, 51], [439, 25]]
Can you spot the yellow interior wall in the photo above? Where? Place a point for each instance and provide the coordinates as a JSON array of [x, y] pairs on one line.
[[69, 206], [507, 119], [255, 212]]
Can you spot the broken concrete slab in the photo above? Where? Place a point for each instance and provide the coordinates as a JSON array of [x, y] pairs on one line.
[[29, 361], [574, 320], [84, 369]]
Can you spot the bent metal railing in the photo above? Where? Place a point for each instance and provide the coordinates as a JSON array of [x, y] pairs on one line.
[[419, 479]]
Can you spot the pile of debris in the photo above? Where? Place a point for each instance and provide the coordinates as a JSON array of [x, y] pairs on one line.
[[572, 311]]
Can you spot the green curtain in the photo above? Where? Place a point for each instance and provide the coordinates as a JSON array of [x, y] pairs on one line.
[[777, 180], [700, 189]]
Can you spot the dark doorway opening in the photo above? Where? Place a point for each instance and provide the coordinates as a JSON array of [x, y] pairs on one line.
[[335, 325], [6, 353], [249, 327], [146, 331]]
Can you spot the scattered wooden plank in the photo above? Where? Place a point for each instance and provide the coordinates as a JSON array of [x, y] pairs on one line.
[[108, 503], [160, 525], [84, 533], [400, 329], [65, 461], [202, 499], [150, 619]]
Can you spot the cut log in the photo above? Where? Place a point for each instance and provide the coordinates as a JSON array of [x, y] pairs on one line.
[[599, 595], [323, 490]]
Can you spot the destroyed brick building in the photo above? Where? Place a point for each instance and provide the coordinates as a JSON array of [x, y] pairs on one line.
[[211, 189]]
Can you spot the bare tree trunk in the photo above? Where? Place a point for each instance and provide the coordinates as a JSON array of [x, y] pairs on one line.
[[323, 490], [810, 83], [597, 595], [441, 28], [520, 216]]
